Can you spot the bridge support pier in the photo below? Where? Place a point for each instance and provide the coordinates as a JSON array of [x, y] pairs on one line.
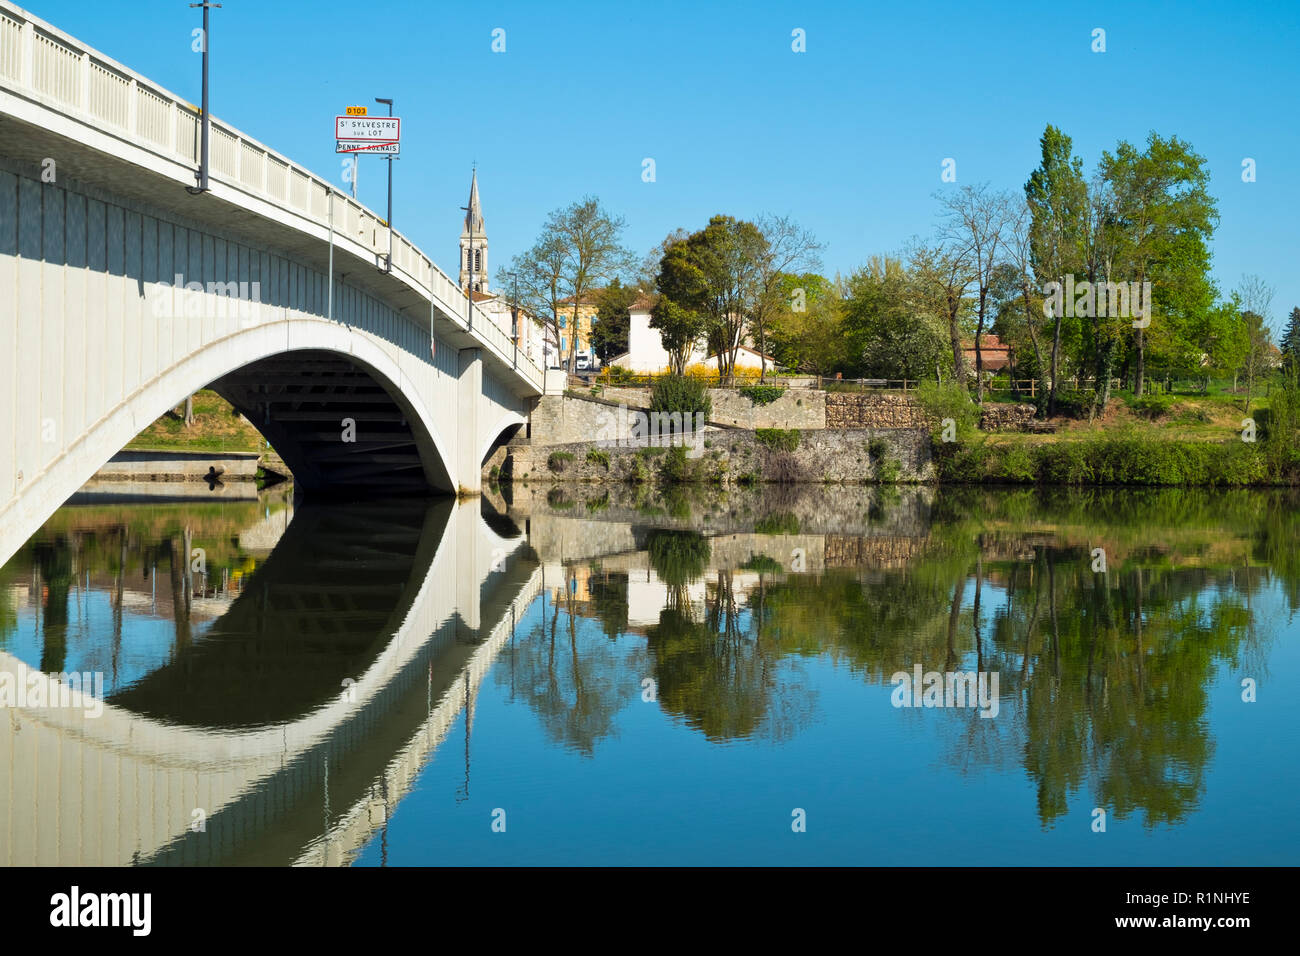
[[469, 385]]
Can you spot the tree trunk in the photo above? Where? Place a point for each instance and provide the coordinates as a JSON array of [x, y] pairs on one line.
[[1141, 365], [189, 410], [1056, 365], [1105, 365], [1041, 398], [954, 333]]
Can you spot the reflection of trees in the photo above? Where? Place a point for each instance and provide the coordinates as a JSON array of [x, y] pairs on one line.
[[1117, 689], [574, 682], [721, 677], [1104, 677], [54, 559], [679, 558], [608, 591]]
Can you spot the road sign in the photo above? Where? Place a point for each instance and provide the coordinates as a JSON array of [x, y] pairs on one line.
[[386, 129], [366, 146], [356, 111]]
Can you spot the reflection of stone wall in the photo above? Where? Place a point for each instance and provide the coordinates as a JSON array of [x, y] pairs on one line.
[[997, 417], [873, 410], [575, 522], [880, 552]]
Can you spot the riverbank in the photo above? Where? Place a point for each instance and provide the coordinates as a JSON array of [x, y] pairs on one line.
[[846, 438]]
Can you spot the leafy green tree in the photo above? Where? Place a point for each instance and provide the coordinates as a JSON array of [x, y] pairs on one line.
[[807, 332], [678, 313], [609, 333], [1057, 195], [943, 272], [889, 332], [1163, 220], [1290, 343], [787, 248]]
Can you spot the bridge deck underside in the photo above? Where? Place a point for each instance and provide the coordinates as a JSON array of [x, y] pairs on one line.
[[335, 427]]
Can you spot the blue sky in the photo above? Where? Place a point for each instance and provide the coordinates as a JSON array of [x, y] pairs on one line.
[[847, 137]]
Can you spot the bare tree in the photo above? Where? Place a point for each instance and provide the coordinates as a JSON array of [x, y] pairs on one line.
[[594, 255], [1019, 250], [944, 271], [539, 276], [790, 249], [1256, 298], [976, 218]]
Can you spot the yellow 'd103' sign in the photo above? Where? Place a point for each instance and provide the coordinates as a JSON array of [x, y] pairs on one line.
[[356, 111]]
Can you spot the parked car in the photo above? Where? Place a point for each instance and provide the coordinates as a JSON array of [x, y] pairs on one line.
[[584, 363]]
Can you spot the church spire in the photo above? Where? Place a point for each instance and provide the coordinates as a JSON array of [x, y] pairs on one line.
[[474, 244], [474, 217]]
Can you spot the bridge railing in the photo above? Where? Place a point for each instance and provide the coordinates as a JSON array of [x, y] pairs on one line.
[[43, 63]]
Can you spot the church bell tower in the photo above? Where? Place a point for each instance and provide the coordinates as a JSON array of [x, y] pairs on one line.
[[474, 244]]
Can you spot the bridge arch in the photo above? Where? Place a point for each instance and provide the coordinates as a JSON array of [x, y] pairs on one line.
[[499, 433], [215, 362]]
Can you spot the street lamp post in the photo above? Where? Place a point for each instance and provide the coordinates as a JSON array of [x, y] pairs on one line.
[[388, 266], [514, 312], [469, 290], [202, 175]]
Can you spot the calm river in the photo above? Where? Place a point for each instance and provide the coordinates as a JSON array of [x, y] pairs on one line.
[[622, 676]]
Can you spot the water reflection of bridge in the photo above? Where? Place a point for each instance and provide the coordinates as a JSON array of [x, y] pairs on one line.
[[298, 719]]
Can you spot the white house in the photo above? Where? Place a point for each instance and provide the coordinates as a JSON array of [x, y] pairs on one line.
[[646, 353]]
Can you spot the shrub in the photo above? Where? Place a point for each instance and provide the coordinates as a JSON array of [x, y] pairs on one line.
[[1073, 404], [616, 375], [558, 459], [556, 498], [778, 439], [679, 393], [784, 468], [639, 472], [877, 449], [761, 394], [887, 471], [945, 401], [708, 374], [598, 457], [677, 468], [1018, 464], [1107, 459]]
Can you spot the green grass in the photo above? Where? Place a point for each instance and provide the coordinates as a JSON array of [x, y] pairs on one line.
[[216, 427]]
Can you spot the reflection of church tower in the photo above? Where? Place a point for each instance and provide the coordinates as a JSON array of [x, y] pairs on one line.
[[474, 245]]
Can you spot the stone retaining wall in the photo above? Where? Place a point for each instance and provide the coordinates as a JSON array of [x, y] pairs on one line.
[[996, 417], [849, 456], [559, 419], [873, 410]]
